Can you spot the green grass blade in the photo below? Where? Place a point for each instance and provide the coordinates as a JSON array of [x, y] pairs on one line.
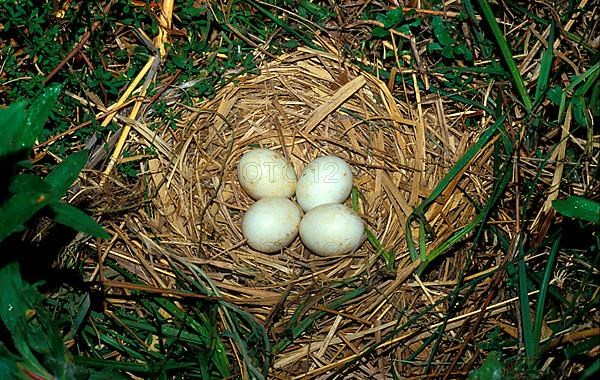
[[526, 325], [304, 324], [588, 79], [467, 229], [285, 26], [402, 327], [539, 310], [389, 257], [419, 212], [460, 98], [591, 371], [545, 68], [506, 52], [142, 367]]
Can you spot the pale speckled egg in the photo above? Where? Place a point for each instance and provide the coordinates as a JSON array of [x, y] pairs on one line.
[[265, 173], [271, 224], [326, 179], [331, 229]]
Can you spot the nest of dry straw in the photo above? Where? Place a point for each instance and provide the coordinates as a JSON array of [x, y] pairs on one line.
[[303, 105]]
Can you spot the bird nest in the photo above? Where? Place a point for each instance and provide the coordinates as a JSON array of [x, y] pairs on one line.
[[327, 311]]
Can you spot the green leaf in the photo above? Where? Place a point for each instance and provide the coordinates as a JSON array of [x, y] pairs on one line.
[[545, 66], [464, 51], [544, 288], [78, 220], [440, 31], [448, 51], [8, 363], [524, 300], [319, 12], [34, 335], [578, 208], [17, 296], [29, 183], [406, 28], [582, 348], [389, 257], [378, 32], [591, 371], [11, 126], [18, 209], [491, 369], [107, 374], [579, 110], [65, 173], [38, 113], [507, 54], [434, 46], [392, 18], [419, 212], [179, 61], [82, 313], [555, 94]]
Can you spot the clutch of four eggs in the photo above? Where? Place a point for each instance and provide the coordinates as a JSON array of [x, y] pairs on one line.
[[273, 222]]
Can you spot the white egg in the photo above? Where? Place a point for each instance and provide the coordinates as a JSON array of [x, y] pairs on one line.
[[327, 179], [266, 173], [331, 229], [271, 224]]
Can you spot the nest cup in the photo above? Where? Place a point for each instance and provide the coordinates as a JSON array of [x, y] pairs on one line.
[[304, 105]]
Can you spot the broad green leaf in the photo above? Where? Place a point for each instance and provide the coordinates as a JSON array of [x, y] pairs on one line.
[[491, 369], [29, 183], [378, 32], [11, 125], [35, 337], [406, 27], [19, 297], [392, 18], [65, 173], [78, 220], [578, 208], [464, 51], [440, 31], [38, 113], [20, 127], [555, 94], [8, 367], [13, 303], [18, 209], [179, 60], [434, 46], [448, 51]]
